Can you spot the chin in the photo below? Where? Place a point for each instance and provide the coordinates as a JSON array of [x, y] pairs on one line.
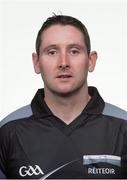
[[65, 90]]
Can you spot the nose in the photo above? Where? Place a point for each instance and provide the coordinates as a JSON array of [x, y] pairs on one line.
[[64, 61]]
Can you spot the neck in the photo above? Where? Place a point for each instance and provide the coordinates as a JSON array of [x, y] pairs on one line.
[[66, 107]]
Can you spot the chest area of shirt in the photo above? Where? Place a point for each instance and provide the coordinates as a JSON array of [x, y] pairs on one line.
[[36, 153]]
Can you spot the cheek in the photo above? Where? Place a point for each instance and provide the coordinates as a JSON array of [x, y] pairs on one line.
[[46, 70], [82, 67], [47, 63]]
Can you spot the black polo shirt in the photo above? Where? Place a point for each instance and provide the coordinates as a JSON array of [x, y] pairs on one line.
[[43, 146]]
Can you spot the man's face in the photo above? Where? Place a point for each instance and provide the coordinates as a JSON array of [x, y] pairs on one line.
[[63, 61]]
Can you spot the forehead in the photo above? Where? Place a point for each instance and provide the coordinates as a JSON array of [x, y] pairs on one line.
[[58, 34]]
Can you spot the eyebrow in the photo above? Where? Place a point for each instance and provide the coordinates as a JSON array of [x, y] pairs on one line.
[[76, 45], [49, 47]]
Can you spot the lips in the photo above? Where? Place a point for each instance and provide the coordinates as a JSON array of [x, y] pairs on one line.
[[64, 76]]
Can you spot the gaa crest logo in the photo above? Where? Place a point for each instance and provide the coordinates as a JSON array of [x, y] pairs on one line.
[[30, 171]]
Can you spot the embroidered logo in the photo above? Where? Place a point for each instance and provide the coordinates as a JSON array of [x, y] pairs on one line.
[[30, 171]]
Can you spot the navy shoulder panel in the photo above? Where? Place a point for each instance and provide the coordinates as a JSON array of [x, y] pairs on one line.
[[23, 112], [115, 111]]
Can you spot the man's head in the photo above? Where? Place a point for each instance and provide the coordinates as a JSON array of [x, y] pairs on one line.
[[63, 55], [63, 20]]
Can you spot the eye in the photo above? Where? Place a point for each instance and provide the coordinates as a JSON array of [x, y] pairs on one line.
[[74, 51], [52, 52]]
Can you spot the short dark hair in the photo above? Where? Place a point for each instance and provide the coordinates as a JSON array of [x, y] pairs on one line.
[[63, 20]]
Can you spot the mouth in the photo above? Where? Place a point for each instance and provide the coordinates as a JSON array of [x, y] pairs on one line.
[[64, 76]]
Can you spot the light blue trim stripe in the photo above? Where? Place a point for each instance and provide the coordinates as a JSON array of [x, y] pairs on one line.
[[114, 111], [22, 112]]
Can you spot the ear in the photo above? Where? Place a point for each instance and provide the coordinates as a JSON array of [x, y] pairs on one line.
[[92, 61], [36, 63]]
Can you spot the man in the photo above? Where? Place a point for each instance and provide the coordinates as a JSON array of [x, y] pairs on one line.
[[67, 134]]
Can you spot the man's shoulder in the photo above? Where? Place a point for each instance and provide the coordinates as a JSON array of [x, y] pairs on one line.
[[20, 113], [10, 127], [114, 111]]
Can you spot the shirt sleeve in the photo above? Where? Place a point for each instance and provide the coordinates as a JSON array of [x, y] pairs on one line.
[[5, 136], [124, 148]]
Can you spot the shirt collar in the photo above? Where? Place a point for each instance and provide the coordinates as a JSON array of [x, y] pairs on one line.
[[94, 106], [96, 103]]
